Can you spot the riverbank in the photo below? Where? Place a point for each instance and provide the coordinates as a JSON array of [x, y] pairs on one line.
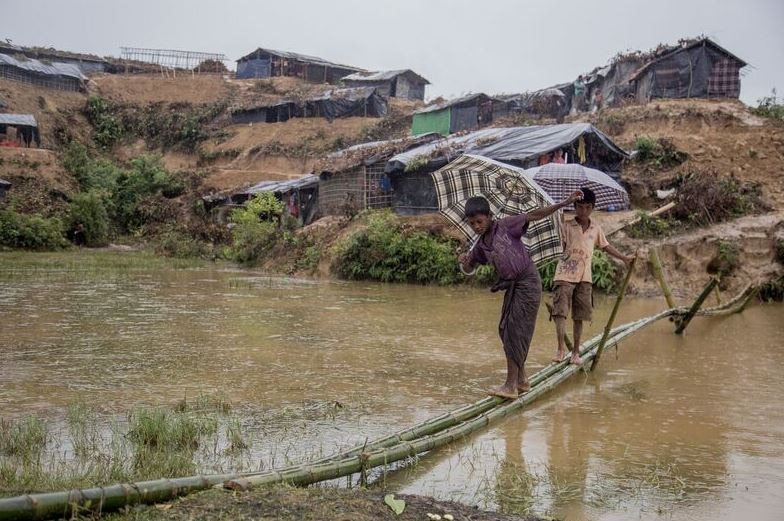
[[283, 503]]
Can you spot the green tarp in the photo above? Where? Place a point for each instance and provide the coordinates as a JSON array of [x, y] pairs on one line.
[[436, 121]]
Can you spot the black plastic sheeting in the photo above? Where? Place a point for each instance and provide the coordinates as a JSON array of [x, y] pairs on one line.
[[334, 104]]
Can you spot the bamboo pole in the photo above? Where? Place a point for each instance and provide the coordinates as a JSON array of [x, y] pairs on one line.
[[614, 312], [684, 321], [306, 474], [658, 272], [102, 499]]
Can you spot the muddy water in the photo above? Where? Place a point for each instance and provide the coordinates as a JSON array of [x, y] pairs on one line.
[[669, 427]]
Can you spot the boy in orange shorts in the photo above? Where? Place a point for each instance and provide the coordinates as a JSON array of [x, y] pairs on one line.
[[573, 279]]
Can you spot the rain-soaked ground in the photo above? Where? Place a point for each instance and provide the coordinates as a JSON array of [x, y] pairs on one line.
[[669, 427]]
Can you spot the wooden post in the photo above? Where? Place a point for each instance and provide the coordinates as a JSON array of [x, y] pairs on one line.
[[658, 272], [610, 321], [683, 322]]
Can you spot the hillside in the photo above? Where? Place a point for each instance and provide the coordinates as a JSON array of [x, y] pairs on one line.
[[187, 121]]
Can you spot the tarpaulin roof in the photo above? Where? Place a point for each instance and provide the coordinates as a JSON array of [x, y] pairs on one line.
[[51, 69], [307, 181], [4, 183], [451, 103], [383, 75], [27, 120], [667, 54], [299, 57], [507, 144]]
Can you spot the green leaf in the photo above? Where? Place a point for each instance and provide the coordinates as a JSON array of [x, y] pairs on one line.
[[397, 505]]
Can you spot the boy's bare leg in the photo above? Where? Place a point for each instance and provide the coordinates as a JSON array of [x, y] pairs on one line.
[[523, 386], [509, 389], [560, 330], [577, 332]]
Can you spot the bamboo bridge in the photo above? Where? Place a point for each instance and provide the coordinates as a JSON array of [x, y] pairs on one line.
[[414, 441]]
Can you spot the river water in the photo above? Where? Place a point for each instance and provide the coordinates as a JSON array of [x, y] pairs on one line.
[[668, 427]]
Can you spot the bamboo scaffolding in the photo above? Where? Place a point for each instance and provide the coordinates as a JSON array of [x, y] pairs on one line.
[[396, 447], [614, 312]]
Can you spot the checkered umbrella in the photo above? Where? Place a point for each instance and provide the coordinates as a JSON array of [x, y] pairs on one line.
[[509, 190], [561, 180]]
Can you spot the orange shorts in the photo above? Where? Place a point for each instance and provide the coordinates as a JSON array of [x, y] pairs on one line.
[[574, 296]]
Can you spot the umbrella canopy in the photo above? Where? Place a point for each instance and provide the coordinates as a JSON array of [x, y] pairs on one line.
[[560, 180], [509, 190]]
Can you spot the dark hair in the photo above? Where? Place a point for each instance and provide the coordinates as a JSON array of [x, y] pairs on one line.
[[588, 196], [477, 205]]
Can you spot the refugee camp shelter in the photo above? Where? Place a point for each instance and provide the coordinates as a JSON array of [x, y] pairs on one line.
[[4, 186], [403, 83], [699, 69], [336, 103], [466, 113], [413, 191], [19, 130], [87, 63], [52, 75], [354, 179], [299, 197], [269, 63]]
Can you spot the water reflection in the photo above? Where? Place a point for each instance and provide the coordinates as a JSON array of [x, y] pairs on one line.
[[679, 426]]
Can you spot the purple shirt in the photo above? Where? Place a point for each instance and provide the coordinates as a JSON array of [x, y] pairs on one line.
[[502, 246]]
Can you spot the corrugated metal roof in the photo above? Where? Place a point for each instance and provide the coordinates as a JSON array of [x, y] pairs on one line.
[[18, 119], [383, 76], [299, 57], [51, 69]]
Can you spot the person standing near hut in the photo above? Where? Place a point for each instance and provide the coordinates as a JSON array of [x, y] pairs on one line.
[[500, 244], [573, 278]]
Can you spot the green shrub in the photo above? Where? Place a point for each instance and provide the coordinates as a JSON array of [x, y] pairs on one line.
[[660, 151], [547, 274], [646, 148], [146, 177], [726, 260], [773, 290], [31, 232], [107, 126], [89, 209], [384, 252], [174, 240], [649, 227], [770, 107], [603, 271], [255, 230]]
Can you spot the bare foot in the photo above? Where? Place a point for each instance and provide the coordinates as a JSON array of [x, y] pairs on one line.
[[523, 387], [504, 392], [559, 356], [575, 359]]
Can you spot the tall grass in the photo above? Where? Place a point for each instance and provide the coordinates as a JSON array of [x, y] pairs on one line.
[[153, 442]]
